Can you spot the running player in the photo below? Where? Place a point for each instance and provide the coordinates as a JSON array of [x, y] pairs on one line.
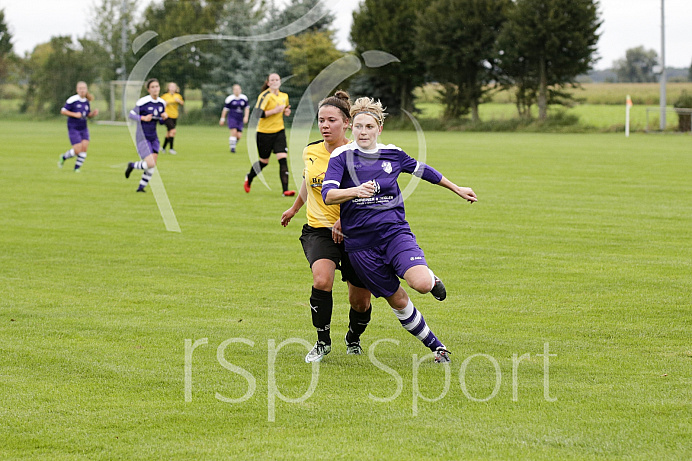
[[362, 177], [322, 242], [237, 108], [173, 99], [271, 135], [148, 111], [78, 109]]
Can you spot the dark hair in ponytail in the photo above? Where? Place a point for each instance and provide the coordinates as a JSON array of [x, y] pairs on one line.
[[341, 100]]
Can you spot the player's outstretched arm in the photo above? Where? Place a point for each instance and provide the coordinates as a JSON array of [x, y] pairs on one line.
[[337, 196], [464, 192]]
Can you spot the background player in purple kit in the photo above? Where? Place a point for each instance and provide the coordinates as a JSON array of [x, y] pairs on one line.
[[148, 111], [77, 109], [237, 108], [362, 177]]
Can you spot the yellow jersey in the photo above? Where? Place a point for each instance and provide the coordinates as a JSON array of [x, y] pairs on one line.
[[268, 101], [316, 159], [171, 105]]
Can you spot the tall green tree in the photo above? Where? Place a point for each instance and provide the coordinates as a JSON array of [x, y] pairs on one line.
[[175, 18], [309, 53], [388, 25], [456, 39], [555, 40], [637, 66], [250, 62], [54, 69], [6, 54]]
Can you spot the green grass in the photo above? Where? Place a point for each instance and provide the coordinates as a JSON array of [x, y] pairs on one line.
[[578, 241]]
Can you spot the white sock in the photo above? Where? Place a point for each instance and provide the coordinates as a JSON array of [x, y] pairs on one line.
[[432, 277], [232, 141]]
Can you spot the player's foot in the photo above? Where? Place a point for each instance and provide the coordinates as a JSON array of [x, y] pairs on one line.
[[442, 355], [61, 162], [141, 189], [353, 348], [439, 291], [318, 352], [232, 150], [172, 152], [289, 193], [128, 170], [77, 170], [246, 185]]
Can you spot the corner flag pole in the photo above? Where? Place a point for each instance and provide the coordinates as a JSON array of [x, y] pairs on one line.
[[628, 105]]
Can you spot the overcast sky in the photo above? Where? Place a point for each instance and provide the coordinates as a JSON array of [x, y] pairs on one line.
[[627, 24]]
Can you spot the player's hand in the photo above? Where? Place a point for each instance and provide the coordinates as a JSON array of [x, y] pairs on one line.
[[164, 116], [94, 113], [468, 194], [365, 190], [337, 235], [245, 120], [77, 115], [287, 216], [147, 118], [287, 111], [221, 121]]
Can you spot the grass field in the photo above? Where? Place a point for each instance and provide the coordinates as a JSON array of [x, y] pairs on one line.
[[578, 247]]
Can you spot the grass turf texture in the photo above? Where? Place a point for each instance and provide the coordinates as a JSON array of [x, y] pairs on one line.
[[581, 242]]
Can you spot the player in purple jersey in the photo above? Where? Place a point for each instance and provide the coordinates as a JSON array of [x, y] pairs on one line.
[[237, 108], [362, 177], [78, 109], [148, 111]]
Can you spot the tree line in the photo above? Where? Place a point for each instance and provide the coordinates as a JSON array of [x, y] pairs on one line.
[[535, 48]]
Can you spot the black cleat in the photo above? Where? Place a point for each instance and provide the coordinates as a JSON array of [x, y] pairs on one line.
[[128, 170], [442, 355], [141, 189], [439, 291]]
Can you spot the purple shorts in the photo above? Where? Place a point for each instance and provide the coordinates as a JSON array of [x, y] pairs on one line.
[[380, 267], [235, 123], [77, 136], [146, 147]]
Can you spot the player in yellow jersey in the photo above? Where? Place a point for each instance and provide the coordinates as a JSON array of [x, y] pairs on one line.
[[173, 100], [271, 135], [321, 237]]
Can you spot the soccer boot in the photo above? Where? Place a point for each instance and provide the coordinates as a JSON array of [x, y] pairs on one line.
[[442, 355], [128, 170], [439, 291], [61, 161], [289, 193], [318, 352], [246, 185], [353, 348], [141, 189], [172, 152]]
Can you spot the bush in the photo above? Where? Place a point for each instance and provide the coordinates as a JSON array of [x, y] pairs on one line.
[[684, 101]]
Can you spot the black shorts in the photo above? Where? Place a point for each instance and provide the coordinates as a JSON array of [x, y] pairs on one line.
[[268, 142], [318, 244], [170, 123]]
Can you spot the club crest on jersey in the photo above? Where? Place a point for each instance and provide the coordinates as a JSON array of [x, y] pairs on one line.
[[387, 167]]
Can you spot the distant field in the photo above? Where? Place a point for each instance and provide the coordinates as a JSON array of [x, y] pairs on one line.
[[593, 93], [579, 248]]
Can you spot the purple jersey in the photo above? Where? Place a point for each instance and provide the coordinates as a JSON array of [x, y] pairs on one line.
[[367, 222], [236, 109], [81, 105], [145, 106]]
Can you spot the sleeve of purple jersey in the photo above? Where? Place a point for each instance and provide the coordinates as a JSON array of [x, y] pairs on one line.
[[333, 176], [416, 168], [134, 114]]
